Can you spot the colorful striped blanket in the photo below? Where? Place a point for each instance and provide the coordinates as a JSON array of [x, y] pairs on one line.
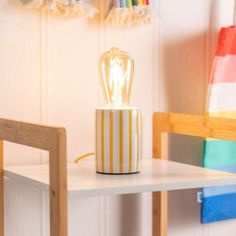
[[219, 203]]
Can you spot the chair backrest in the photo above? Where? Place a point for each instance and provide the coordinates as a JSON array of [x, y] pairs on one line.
[[53, 140], [198, 126]]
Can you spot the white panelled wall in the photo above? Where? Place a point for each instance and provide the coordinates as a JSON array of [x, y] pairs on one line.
[[48, 74]]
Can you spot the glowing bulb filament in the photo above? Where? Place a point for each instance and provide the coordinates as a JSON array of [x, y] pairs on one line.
[[117, 75], [117, 82]]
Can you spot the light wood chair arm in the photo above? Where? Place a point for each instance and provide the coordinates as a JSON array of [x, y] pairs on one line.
[[198, 126], [52, 139]]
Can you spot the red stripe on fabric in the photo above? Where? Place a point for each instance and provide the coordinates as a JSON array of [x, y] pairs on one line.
[[227, 41], [224, 70]]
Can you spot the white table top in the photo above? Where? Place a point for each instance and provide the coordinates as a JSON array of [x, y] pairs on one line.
[[156, 175]]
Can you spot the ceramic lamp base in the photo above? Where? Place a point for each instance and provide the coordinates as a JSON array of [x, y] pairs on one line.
[[118, 140]]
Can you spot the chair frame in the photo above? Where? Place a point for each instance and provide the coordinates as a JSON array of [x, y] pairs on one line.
[[198, 126], [53, 140]]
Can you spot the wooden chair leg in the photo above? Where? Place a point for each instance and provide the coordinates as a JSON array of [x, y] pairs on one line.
[[1, 191], [160, 199], [58, 185], [159, 214]]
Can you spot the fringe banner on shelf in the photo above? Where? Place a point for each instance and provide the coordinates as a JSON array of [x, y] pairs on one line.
[[129, 13], [65, 8]]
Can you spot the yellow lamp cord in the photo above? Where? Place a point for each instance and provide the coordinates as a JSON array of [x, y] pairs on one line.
[[77, 159]]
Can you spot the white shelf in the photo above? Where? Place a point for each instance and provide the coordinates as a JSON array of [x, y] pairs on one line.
[[156, 175]]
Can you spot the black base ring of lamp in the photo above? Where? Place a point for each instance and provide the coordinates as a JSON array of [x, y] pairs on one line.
[[131, 173]]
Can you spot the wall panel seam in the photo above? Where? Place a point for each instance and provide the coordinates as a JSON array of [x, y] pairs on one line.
[[44, 103]]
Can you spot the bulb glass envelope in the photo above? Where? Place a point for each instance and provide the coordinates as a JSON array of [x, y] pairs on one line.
[[116, 69]]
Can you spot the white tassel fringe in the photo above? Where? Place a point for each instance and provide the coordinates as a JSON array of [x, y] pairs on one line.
[[65, 8], [138, 15]]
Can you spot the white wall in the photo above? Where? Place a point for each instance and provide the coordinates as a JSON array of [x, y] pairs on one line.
[[48, 74]]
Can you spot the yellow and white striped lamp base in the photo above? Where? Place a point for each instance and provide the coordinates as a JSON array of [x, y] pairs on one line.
[[118, 140]]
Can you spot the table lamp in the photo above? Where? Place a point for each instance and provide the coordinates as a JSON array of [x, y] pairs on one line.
[[118, 130]]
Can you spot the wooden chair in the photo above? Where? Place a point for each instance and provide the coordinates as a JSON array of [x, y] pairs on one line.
[[47, 138], [198, 126], [53, 140]]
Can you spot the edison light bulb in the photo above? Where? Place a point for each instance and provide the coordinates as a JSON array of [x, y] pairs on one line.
[[117, 69]]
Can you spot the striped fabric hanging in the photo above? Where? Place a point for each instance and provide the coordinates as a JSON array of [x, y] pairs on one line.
[[219, 203], [129, 13]]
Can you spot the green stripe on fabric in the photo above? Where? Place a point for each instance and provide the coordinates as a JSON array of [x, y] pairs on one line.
[[219, 153]]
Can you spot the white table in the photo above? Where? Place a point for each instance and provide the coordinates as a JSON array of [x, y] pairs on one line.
[[156, 175]]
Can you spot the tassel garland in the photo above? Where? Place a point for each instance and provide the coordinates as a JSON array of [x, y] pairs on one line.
[[64, 8], [129, 12]]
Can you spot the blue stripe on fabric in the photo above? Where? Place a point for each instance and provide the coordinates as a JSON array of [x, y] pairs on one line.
[[218, 208], [231, 169], [214, 191], [123, 3]]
